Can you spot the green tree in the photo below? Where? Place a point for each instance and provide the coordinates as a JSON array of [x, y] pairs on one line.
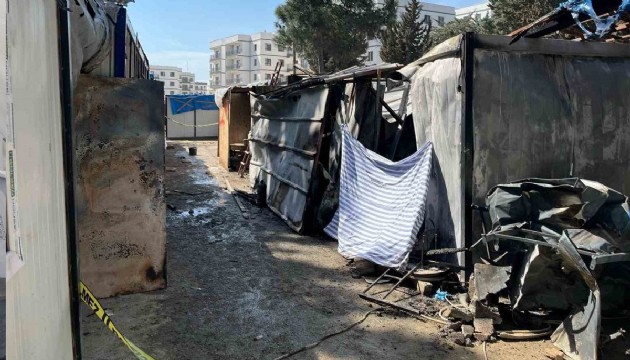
[[332, 34], [408, 39], [509, 15], [456, 27]]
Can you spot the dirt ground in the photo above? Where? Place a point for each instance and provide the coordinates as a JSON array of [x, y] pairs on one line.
[[253, 289]]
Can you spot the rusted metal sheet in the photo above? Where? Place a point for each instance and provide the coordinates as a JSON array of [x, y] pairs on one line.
[[284, 141], [119, 137]]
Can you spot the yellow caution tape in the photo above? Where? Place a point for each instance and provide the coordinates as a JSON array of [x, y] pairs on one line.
[[177, 122], [90, 300]]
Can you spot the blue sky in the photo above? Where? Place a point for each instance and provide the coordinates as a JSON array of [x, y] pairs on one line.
[[178, 32]]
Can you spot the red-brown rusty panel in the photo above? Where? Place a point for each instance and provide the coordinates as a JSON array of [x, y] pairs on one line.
[[119, 167]]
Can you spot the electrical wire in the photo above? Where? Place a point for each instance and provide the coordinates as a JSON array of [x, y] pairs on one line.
[[188, 125], [485, 350], [324, 338]]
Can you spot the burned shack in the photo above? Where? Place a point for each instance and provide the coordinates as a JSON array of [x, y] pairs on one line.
[[486, 111], [295, 139], [538, 108], [234, 124]]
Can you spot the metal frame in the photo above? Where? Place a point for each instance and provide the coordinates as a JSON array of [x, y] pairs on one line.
[[551, 46], [596, 259], [467, 141], [66, 94], [120, 34]]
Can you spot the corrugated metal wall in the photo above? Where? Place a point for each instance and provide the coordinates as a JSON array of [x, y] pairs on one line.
[[285, 139], [38, 297]]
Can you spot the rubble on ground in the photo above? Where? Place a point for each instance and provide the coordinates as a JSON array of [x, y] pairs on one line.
[[531, 280]]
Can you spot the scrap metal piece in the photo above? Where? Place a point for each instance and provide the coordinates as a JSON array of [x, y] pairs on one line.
[[578, 335], [490, 279]]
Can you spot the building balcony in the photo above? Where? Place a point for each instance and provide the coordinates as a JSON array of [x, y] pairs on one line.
[[233, 52], [215, 56], [233, 81], [231, 67]]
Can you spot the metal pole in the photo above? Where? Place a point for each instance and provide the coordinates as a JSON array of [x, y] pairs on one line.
[[63, 18], [467, 141]]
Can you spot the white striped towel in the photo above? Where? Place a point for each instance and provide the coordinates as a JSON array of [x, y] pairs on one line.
[[381, 203]]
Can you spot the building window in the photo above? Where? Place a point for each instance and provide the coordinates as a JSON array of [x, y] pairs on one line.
[[172, 74], [370, 56], [172, 83], [255, 47], [268, 62], [216, 81], [268, 76], [441, 20], [172, 92], [162, 73], [281, 48], [427, 19], [255, 77], [268, 47], [255, 62], [477, 16]]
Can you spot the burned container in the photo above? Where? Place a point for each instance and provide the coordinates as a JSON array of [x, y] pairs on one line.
[[538, 108]]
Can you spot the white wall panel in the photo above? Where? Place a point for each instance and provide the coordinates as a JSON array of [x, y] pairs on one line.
[[38, 297]]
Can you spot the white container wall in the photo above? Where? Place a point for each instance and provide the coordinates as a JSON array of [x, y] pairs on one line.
[[38, 294]]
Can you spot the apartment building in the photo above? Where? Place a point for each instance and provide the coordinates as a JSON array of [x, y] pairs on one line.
[[176, 81], [478, 11], [437, 14], [200, 87], [247, 59]]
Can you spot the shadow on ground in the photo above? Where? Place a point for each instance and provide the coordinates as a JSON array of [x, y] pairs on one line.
[[252, 289]]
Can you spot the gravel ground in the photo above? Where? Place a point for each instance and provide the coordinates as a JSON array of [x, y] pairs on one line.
[[253, 289]]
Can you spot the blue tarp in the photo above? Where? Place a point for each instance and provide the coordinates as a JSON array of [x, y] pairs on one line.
[[185, 103]]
